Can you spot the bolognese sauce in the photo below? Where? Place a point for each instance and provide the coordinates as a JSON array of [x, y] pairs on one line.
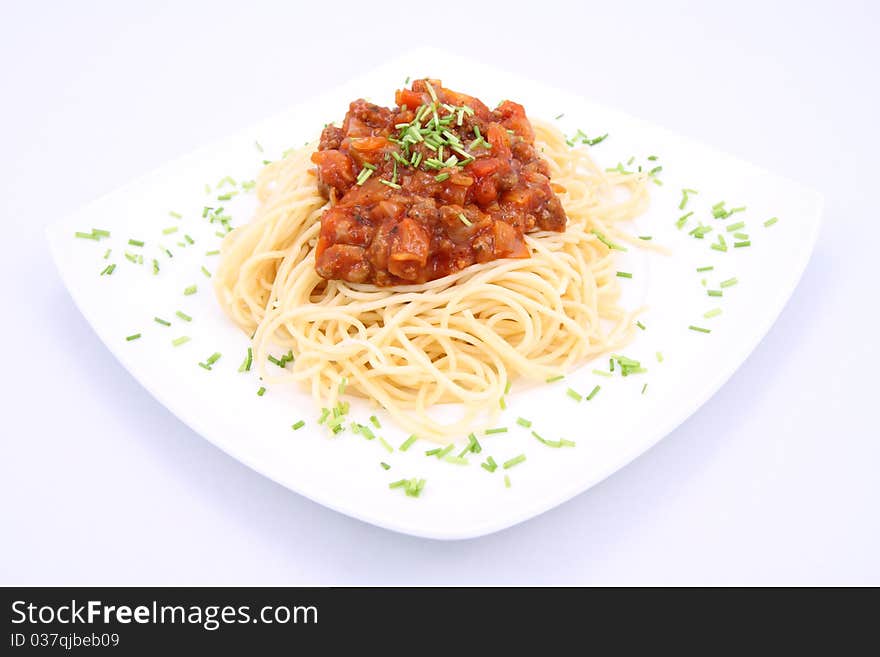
[[430, 187]]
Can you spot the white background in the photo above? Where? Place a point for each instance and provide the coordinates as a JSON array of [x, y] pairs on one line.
[[775, 480]]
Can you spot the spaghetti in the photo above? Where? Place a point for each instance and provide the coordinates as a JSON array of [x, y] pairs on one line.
[[457, 339]]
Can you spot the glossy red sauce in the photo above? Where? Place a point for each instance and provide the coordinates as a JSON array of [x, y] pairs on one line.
[[428, 188]]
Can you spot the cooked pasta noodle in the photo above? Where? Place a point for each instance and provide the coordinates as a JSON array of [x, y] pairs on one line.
[[458, 339]]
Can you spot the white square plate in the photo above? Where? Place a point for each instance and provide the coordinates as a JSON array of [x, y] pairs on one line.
[[343, 473]]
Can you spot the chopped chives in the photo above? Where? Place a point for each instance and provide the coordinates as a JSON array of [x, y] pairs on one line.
[[507, 481], [161, 321], [516, 460], [456, 460], [108, 270], [86, 236], [189, 239], [390, 184], [559, 116], [640, 325], [602, 373], [553, 443], [715, 293], [574, 394], [98, 232], [206, 272], [507, 387], [248, 360], [489, 465], [647, 238], [624, 274], [133, 337], [496, 430], [440, 177], [192, 289], [169, 230], [325, 412], [709, 268], [408, 443], [644, 387], [521, 421], [659, 357], [212, 253], [384, 465], [502, 404], [734, 227], [554, 379], [607, 242], [682, 220], [398, 484], [155, 266], [699, 329], [432, 452], [374, 421], [261, 391], [298, 425], [738, 245], [107, 253], [730, 282], [770, 222], [183, 316], [593, 393], [181, 340], [135, 242], [684, 197], [443, 452], [712, 313], [385, 444]]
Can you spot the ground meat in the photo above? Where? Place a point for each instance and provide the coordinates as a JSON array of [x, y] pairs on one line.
[[426, 189]]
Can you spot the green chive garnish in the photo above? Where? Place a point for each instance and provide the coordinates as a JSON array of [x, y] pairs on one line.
[[183, 316], [607, 242], [181, 340], [384, 465], [206, 272], [770, 222], [699, 329], [709, 268], [735, 227], [516, 460], [659, 357], [135, 242], [161, 321], [507, 481], [730, 282], [246, 363], [602, 373], [133, 337], [738, 245], [554, 379], [712, 313], [192, 289], [624, 274], [521, 421], [489, 465], [640, 325], [593, 393], [574, 395], [715, 293], [261, 391], [496, 430], [298, 425], [408, 443]]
